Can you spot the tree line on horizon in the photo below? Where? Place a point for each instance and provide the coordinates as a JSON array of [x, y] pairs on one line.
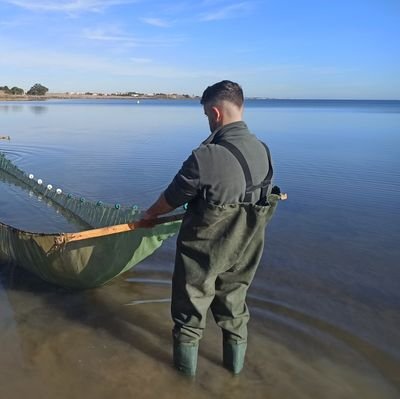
[[36, 90]]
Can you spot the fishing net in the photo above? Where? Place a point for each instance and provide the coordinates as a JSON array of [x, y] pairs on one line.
[[94, 214], [84, 263]]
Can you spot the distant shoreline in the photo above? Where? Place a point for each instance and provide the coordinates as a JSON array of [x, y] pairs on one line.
[[68, 96]]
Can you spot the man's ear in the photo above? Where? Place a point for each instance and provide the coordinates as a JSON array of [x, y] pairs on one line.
[[216, 113]]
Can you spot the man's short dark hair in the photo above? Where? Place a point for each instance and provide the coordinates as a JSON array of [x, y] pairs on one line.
[[223, 91]]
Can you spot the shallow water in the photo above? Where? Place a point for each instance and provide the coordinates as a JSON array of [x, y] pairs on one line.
[[325, 302]]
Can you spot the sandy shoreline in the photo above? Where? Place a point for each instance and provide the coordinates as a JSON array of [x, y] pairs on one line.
[[67, 96]]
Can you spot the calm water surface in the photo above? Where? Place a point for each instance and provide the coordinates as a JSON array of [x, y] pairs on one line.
[[325, 304]]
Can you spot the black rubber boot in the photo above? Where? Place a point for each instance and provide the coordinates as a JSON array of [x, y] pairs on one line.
[[233, 355], [185, 357]]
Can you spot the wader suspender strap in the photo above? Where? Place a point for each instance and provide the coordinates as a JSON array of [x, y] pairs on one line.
[[249, 181], [267, 181]]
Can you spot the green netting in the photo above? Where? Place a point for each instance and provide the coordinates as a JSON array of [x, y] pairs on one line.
[[80, 264], [95, 214]]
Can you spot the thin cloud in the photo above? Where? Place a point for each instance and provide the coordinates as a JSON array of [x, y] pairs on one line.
[[108, 66], [161, 23], [112, 36], [6, 24], [229, 11], [138, 60], [107, 36], [68, 6], [11, 23]]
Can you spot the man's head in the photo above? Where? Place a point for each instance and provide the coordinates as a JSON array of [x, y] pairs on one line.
[[223, 103]]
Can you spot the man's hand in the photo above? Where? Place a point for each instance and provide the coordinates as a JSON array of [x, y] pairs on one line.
[[147, 216], [160, 207]]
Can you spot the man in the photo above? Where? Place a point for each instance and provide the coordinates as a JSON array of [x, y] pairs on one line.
[[226, 183]]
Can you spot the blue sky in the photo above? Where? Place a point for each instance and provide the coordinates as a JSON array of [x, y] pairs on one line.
[[281, 48]]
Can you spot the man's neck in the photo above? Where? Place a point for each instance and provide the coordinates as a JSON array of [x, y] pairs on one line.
[[228, 120]]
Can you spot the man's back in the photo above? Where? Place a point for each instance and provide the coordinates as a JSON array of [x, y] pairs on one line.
[[214, 174]]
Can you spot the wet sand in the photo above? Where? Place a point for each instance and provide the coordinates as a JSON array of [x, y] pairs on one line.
[[114, 341]]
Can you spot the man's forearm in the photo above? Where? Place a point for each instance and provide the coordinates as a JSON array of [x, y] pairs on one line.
[[160, 207]]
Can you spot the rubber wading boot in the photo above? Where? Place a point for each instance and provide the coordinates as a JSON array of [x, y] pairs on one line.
[[185, 357], [233, 356]]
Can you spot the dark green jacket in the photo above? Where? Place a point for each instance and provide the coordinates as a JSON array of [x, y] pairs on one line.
[[214, 174]]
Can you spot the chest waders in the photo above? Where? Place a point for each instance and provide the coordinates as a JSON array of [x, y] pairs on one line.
[[218, 250]]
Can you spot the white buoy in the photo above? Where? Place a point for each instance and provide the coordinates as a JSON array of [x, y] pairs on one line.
[[58, 191], [31, 176], [49, 187], [40, 181]]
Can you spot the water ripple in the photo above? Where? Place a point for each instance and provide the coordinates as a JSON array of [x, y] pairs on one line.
[[386, 363]]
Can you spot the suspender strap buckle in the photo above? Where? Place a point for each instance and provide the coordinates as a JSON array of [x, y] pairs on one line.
[[265, 185]]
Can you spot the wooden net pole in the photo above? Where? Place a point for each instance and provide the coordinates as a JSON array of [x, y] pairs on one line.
[[116, 229]]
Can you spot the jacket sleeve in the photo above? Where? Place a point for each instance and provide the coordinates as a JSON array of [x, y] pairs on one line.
[[186, 184]]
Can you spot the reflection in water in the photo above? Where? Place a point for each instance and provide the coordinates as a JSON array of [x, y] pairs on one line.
[[38, 109], [11, 108], [147, 281], [143, 301]]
